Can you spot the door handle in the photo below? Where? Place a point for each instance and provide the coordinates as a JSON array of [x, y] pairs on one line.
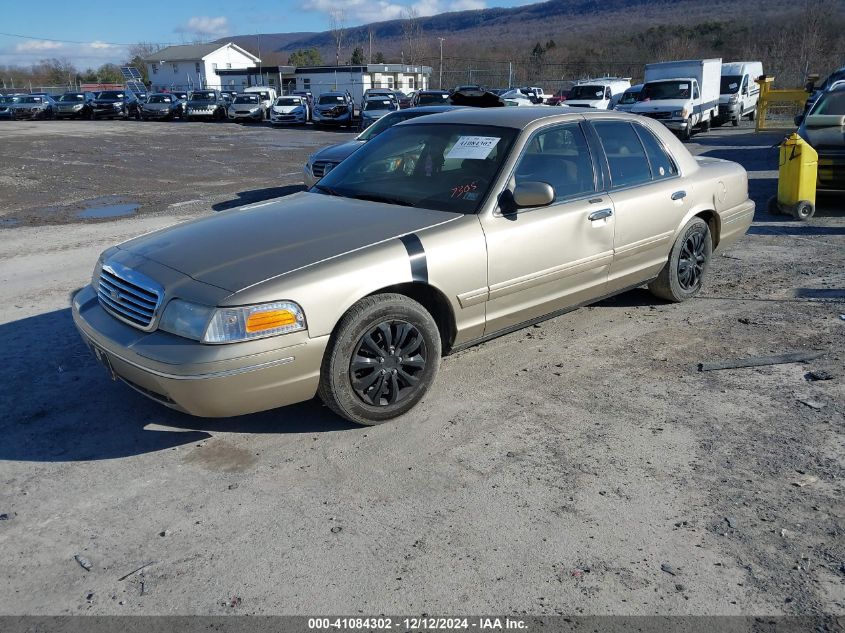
[[679, 195], [600, 214]]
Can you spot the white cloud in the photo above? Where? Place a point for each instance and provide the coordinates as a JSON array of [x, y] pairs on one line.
[[203, 26], [101, 45], [38, 46], [364, 11], [467, 5]]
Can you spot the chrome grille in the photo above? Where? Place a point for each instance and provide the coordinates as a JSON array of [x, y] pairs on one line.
[[657, 115], [128, 295], [319, 168]]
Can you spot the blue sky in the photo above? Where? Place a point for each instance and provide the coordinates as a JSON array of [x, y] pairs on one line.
[[94, 32]]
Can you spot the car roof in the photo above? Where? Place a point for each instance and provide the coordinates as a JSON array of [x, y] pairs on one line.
[[521, 117]]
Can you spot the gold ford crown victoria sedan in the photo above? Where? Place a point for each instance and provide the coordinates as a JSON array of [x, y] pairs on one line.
[[442, 232]]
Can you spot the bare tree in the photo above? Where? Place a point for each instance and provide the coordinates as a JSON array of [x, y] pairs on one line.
[[337, 22], [411, 35]]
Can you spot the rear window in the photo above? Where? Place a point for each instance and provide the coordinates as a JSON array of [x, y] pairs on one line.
[[432, 99], [110, 94], [288, 101], [626, 156], [161, 99], [378, 104]]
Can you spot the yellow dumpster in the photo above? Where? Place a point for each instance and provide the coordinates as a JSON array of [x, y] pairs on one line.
[[797, 172]]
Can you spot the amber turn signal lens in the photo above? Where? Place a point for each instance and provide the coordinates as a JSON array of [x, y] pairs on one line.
[[260, 321]]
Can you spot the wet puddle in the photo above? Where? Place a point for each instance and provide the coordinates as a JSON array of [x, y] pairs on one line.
[[106, 207]]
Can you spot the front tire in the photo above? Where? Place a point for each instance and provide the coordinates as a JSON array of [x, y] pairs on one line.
[[381, 359], [682, 276], [803, 210]]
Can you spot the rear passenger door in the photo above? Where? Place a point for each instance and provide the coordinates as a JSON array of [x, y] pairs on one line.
[[648, 197], [543, 259]]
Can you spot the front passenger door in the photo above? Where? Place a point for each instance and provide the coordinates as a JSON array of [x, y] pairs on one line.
[[543, 259]]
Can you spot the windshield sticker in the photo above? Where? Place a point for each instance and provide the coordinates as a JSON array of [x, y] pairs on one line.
[[477, 147], [683, 87], [733, 86]]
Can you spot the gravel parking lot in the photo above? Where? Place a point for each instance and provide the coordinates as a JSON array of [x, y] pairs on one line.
[[581, 466]]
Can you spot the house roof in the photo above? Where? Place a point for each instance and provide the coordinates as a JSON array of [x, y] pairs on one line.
[[192, 52]]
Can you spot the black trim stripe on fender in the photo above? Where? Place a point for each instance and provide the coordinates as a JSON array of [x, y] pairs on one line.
[[416, 253]]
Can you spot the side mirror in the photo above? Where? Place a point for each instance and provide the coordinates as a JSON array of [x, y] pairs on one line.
[[533, 194]]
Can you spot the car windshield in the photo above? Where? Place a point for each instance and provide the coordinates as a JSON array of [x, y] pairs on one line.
[[730, 84], [161, 99], [630, 96], [434, 98], [202, 96], [330, 99], [264, 96], [110, 94], [288, 101], [32, 100], [388, 121], [447, 167], [72, 98], [378, 104], [830, 103], [666, 90], [587, 92], [246, 99]]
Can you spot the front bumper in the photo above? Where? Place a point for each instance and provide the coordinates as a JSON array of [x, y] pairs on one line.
[[218, 381], [158, 114], [729, 111], [287, 119], [203, 112], [246, 116], [325, 119]]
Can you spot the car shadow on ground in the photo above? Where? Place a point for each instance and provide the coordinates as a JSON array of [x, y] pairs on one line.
[[257, 195], [59, 405]]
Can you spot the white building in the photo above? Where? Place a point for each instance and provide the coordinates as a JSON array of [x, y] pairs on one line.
[[320, 79], [195, 66]]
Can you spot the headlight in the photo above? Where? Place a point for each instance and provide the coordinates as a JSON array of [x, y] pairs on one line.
[[184, 318], [95, 276], [734, 98], [117, 105], [77, 106], [230, 325]]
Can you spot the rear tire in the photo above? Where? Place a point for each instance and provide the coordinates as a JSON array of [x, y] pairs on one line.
[[683, 275], [395, 345], [686, 133], [735, 122], [705, 127], [752, 115]]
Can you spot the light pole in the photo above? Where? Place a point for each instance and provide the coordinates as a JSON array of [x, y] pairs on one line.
[[440, 81]]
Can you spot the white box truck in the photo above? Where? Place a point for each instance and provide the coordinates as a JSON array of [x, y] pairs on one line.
[[601, 94], [739, 93], [682, 95]]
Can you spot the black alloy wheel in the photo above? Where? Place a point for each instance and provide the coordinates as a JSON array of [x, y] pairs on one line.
[[387, 363], [692, 261]]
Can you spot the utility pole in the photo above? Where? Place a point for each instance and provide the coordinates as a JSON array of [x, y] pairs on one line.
[[440, 81]]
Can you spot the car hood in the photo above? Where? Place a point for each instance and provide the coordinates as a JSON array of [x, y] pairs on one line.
[[247, 245], [286, 109], [331, 106], [821, 138], [336, 153], [107, 101]]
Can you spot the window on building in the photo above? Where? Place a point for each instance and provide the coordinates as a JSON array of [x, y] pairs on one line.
[[197, 67], [175, 68], [154, 68], [306, 84], [390, 82], [410, 83], [214, 67]]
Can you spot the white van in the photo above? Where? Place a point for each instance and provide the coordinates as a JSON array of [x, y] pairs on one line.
[[266, 96], [739, 93], [601, 94]]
